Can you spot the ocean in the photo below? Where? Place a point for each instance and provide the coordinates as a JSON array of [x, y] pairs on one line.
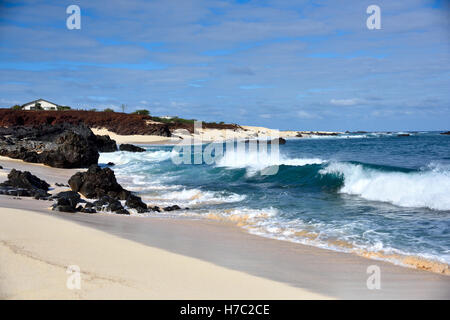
[[378, 195]]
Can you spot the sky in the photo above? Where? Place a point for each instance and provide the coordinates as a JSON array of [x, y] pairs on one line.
[[284, 64]]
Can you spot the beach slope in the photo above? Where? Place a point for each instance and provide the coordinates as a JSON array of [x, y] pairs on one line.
[[36, 250]]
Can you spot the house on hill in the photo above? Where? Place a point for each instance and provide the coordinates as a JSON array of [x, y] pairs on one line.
[[40, 104]]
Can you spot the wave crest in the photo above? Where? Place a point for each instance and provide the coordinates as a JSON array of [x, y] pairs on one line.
[[429, 189]]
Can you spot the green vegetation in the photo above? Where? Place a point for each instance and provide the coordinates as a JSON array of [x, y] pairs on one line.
[[108, 110], [62, 108], [142, 112], [174, 120], [16, 107]]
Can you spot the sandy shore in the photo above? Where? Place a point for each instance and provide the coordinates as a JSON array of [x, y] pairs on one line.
[[138, 139], [36, 250], [206, 135]]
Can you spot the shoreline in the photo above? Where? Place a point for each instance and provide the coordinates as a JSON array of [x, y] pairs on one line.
[[35, 267], [316, 272]]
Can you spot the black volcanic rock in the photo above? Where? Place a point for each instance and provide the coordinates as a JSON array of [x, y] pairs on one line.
[[96, 183], [277, 140], [109, 204], [446, 133], [172, 208], [67, 198], [106, 144], [61, 146], [130, 148], [25, 180], [101, 184], [135, 202], [24, 184]]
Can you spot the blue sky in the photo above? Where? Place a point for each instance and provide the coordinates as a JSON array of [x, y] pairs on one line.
[[286, 64]]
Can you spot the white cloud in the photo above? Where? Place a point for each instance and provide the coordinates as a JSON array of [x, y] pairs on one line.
[[306, 115], [346, 102]]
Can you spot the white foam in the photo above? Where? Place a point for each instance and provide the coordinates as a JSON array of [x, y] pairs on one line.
[[428, 189], [122, 157], [257, 161], [196, 196]]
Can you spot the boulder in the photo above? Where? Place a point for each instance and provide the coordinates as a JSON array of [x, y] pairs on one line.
[[96, 183], [67, 198], [105, 144], [100, 183], [135, 202], [279, 141], [172, 208], [26, 180], [110, 204], [63, 145], [155, 208], [130, 148], [72, 151]]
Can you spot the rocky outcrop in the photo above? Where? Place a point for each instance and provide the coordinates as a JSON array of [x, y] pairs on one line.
[[106, 144], [26, 180], [24, 184], [98, 183], [136, 202], [130, 148], [66, 201], [61, 146], [278, 140], [107, 203], [446, 133]]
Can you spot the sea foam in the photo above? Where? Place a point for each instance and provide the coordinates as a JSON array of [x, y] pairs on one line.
[[428, 188]]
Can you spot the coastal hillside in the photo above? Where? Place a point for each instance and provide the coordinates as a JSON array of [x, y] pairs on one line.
[[119, 123]]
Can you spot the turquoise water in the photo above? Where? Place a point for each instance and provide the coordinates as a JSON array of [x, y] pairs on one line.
[[374, 192]]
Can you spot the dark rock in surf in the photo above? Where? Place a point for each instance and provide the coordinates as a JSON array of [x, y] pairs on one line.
[[130, 148], [155, 208], [67, 198], [135, 202], [105, 144], [172, 208], [96, 183], [101, 184]]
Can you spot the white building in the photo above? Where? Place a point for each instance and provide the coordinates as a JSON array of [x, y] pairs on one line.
[[40, 104]]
